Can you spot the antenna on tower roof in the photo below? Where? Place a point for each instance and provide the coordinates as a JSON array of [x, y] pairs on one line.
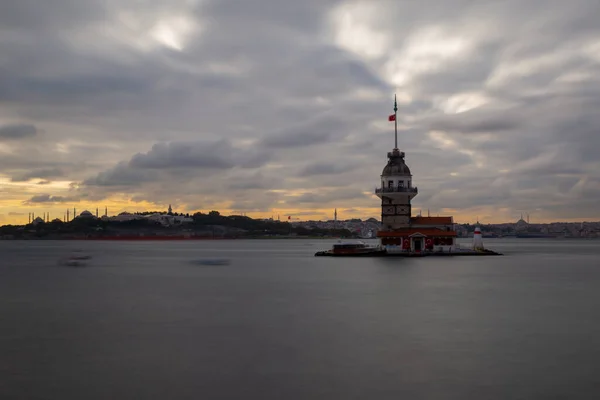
[[395, 123]]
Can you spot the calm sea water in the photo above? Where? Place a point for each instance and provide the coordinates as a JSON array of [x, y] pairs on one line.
[[142, 322]]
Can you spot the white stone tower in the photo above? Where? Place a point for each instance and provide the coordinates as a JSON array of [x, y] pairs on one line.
[[396, 191]]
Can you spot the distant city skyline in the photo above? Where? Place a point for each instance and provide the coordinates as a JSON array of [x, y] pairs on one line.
[[215, 105], [335, 214]]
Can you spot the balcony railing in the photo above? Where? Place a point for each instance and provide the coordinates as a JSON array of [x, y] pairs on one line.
[[397, 189]]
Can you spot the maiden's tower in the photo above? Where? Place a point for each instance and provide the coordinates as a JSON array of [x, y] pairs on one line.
[[400, 231], [402, 234]]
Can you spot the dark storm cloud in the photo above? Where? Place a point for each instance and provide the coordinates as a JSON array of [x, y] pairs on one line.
[[46, 198], [325, 169], [298, 139], [254, 181], [198, 155], [18, 131], [179, 161], [72, 88], [317, 131], [182, 155], [121, 175], [38, 173]]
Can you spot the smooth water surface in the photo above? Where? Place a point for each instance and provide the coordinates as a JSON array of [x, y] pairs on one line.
[[143, 322]]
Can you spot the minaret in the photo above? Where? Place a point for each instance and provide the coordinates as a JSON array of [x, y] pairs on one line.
[[96, 212], [335, 218], [105, 211], [170, 210], [29, 216], [396, 191], [68, 214]]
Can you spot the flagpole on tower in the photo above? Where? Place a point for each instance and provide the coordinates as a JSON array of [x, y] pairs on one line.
[[395, 123]]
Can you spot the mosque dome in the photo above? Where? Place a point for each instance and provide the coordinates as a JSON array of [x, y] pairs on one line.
[[396, 165], [86, 214], [522, 222]]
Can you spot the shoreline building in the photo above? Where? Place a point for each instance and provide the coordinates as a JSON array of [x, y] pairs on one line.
[[400, 231]]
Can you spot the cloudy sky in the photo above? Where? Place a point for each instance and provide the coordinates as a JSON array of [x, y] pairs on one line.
[[280, 107]]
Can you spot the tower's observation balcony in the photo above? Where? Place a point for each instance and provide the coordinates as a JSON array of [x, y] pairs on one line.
[[396, 189]]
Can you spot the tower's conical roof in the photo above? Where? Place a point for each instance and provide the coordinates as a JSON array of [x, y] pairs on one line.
[[396, 165]]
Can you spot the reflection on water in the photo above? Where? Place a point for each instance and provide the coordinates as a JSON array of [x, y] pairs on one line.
[[142, 321]]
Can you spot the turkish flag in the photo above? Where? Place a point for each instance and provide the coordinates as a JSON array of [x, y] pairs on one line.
[[392, 117], [289, 217]]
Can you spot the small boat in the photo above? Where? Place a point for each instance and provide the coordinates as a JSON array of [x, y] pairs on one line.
[[72, 262], [359, 248], [77, 259], [79, 255]]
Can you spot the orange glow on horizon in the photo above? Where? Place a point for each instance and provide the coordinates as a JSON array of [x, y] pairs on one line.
[[14, 210], [15, 213]]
